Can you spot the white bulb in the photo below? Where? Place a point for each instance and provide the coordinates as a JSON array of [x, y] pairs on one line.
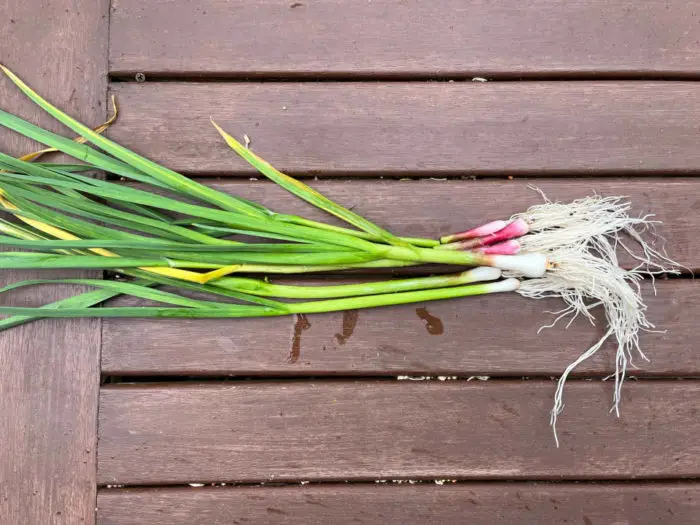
[[530, 264], [506, 285], [484, 273]]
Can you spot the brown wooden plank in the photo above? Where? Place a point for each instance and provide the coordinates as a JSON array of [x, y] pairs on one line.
[[419, 128], [487, 504], [49, 371], [447, 338], [381, 37], [396, 340], [285, 431]]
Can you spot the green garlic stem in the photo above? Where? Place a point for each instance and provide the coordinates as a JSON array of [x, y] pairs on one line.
[[390, 299], [415, 241], [330, 305], [265, 289]]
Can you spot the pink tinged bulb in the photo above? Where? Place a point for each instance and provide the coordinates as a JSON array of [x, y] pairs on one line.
[[480, 231], [509, 247], [515, 229]]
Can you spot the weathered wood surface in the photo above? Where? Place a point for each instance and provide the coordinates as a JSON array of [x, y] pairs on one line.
[[450, 37], [49, 371], [481, 504], [419, 128], [364, 430], [455, 337], [345, 430]]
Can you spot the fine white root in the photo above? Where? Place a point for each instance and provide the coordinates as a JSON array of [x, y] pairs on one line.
[[580, 240]]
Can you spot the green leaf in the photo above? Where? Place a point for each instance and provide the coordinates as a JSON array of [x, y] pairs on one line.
[[267, 224], [173, 179], [132, 289], [83, 152], [84, 300], [212, 288], [43, 261], [105, 214], [212, 230], [69, 168], [157, 245], [280, 258], [230, 311], [307, 193], [18, 231]]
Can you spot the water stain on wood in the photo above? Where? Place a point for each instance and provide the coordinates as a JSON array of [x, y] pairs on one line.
[[432, 324], [301, 323], [349, 323]]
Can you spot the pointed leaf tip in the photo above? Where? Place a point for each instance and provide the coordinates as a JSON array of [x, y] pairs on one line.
[[11, 75], [305, 192]]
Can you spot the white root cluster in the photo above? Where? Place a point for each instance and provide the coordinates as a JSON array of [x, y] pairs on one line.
[[581, 240]]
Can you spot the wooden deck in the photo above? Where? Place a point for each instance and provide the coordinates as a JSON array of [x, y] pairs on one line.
[[286, 421]]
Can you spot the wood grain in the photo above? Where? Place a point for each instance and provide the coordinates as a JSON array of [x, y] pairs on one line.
[[346, 430], [404, 128], [49, 371], [381, 37], [480, 504], [396, 340]]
